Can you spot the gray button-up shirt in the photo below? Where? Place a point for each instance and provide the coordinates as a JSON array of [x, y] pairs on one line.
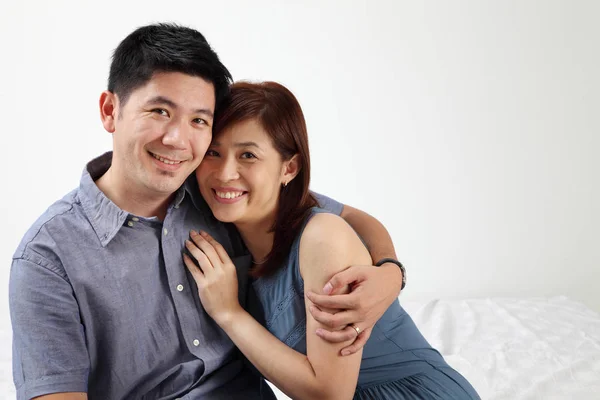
[[102, 303]]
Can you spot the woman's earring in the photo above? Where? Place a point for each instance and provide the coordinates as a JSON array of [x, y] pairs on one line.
[[284, 184]]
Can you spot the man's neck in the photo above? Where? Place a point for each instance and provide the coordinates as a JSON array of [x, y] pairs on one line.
[[128, 198]]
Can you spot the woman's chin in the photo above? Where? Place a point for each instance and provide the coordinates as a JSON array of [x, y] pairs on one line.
[[225, 216]]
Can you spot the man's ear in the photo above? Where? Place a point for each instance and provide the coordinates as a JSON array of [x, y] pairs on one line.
[[291, 168], [109, 104]]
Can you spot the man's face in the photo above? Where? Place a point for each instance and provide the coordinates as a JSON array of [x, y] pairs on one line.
[[162, 132]]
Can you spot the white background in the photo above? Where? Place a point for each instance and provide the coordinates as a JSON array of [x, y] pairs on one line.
[[469, 128]]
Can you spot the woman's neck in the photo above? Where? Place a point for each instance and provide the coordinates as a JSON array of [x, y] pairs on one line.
[[258, 238]]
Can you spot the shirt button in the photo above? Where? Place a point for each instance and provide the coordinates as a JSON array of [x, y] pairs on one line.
[[129, 223], [196, 342], [180, 288], [136, 219], [165, 231]]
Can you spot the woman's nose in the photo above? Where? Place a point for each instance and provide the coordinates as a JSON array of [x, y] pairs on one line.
[[228, 170]]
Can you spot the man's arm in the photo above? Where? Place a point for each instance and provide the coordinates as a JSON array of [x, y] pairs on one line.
[[374, 289], [63, 396], [49, 352], [378, 242], [372, 232]]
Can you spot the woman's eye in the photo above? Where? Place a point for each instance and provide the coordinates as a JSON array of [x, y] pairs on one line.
[[212, 153], [200, 121], [248, 155]]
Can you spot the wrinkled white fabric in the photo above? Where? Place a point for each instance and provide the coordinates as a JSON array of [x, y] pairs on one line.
[[539, 348]]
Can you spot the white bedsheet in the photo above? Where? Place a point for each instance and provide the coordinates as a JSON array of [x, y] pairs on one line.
[[507, 348], [517, 348]]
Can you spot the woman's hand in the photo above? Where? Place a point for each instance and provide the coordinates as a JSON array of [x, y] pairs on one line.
[[216, 277]]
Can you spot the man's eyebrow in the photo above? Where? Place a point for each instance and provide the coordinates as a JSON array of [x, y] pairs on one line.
[[158, 100], [162, 100], [204, 111]]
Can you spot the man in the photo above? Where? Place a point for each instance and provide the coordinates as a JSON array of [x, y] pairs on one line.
[[101, 304]]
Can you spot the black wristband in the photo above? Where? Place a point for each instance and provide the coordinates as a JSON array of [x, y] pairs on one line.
[[398, 263]]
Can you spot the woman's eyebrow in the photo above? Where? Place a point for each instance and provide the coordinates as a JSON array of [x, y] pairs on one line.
[[238, 144]]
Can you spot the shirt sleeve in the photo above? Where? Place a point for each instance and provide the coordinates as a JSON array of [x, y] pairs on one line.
[[49, 351], [329, 204]]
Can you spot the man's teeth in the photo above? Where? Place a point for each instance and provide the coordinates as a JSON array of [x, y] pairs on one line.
[[229, 195], [165, 160]]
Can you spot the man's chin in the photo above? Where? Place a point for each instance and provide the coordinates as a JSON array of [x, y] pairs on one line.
[[165, 188]]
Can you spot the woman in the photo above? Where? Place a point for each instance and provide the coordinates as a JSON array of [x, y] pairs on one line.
[[256, 175]]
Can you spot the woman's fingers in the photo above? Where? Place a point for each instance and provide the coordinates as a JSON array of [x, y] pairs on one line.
[[196, 272], [207, 248], [200, 256], [217, 246]]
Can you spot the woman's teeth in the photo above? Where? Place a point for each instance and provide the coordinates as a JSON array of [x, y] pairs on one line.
[[229, 195]]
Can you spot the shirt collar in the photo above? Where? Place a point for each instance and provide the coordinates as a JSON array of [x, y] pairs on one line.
[[193, 191], [105, 216]]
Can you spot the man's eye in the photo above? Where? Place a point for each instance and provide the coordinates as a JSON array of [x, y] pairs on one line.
[[248, 155], [161, 111], [212, 153]]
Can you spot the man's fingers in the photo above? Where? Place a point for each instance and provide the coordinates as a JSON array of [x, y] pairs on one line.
[[343, 279], [338, 302], [348, 333], [332, 321], [358, 344]]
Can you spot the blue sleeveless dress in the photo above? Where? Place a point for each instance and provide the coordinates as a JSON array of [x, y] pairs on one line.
[[397, 362]]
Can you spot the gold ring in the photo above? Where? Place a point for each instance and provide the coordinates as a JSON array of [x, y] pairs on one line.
[[357, 329]]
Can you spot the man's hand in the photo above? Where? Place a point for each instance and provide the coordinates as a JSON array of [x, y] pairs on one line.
[[373, 290]]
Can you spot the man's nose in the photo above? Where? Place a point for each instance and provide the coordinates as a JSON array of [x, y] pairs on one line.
[[176, 135]]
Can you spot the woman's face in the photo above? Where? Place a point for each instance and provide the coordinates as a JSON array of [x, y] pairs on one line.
[[241, 174]]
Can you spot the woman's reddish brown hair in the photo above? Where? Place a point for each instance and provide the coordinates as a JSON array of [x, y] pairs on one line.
[[280, 115]]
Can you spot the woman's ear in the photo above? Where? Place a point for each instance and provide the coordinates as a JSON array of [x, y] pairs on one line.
[[291, 168]]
